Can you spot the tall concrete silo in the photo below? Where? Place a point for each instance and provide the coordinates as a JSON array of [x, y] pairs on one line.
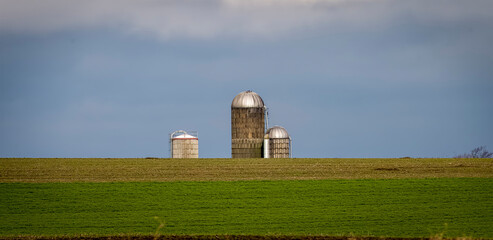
[[247, 125], [277, 143], [184, 144]]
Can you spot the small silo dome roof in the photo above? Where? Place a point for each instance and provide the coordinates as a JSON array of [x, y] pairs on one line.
[[277, 132], [185, 136], [180, 134], [247, 99]]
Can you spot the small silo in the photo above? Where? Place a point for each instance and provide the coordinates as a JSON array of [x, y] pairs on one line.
[[184, 144], [247, 125], [277, 143]]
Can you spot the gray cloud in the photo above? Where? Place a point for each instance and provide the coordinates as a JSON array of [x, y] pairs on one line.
[[230, 18]]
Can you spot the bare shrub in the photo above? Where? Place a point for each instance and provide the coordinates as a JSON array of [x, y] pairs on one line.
[[479, 152]]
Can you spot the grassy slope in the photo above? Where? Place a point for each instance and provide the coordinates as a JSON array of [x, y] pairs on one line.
[[110, 170], [390, 207]]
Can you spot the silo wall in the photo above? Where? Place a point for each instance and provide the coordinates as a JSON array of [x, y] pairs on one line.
[[247, 132], [279, 148], [185, 148]]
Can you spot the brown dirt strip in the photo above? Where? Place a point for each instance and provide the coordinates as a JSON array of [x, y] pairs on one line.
[[226, 169]]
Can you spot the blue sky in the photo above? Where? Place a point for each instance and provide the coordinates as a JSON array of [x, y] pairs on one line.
[[346, 78]]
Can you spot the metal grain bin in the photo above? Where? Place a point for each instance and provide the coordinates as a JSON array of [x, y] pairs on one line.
[[247, 125], [277, 143], [184, 145]]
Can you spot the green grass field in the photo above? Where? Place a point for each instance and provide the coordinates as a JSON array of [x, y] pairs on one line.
[[391, 197], [402, 208]]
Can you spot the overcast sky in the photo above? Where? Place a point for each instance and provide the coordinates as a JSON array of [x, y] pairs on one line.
[[366, 78]]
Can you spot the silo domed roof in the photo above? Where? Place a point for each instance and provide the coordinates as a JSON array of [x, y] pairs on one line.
[[277, 132], [185, 136], [180, 134], [247, 99]]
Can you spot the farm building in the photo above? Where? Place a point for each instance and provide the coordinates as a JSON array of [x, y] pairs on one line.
[[277, 143], [184, 144], [247, 125]]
